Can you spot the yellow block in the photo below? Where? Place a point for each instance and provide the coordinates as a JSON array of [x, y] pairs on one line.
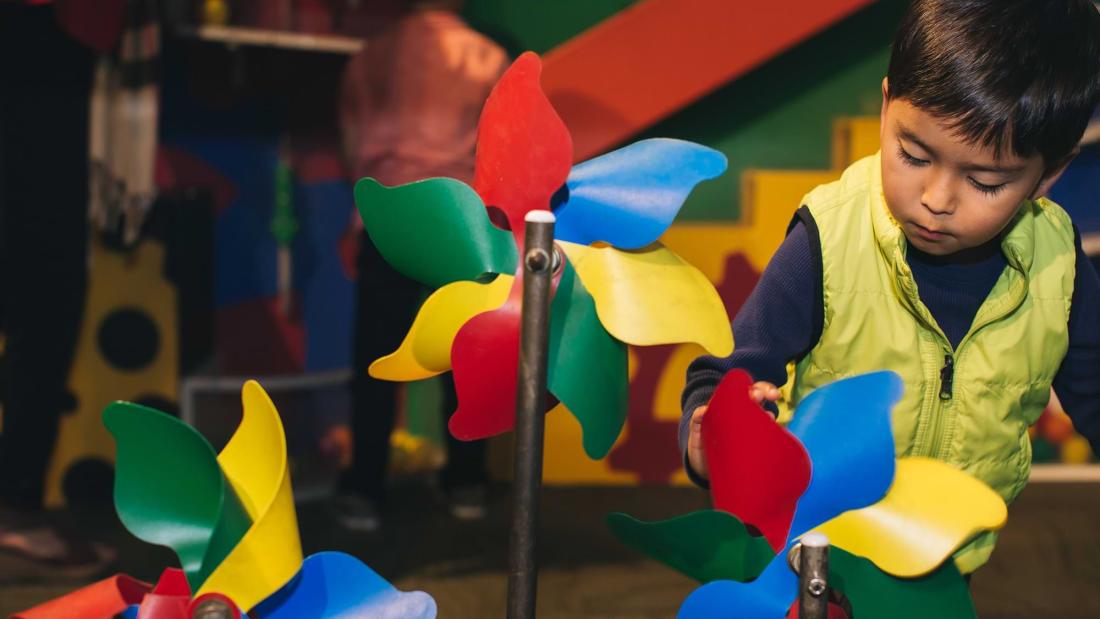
[[928, 513], [116, 281], [853, 139], [255, 463]]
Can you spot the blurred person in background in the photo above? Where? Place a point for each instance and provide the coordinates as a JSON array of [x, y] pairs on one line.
[[409, 111]]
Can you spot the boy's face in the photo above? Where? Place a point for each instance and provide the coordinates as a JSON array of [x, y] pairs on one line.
[[946, 194]]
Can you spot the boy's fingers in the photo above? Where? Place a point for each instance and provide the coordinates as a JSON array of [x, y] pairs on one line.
[[697, 416], [764, 391], [757, 394]]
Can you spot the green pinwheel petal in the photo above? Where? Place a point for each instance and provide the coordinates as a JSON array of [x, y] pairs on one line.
[[873, 593], [587, 367], [706, 545], [435, 231], [170, 491]]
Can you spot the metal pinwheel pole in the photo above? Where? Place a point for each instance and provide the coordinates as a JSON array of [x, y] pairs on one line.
[[538, 268], [810, 558]]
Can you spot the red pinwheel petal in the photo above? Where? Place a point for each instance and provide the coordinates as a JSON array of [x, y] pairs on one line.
[[485, 362], [484, 358], [758, 470], [524, 151]]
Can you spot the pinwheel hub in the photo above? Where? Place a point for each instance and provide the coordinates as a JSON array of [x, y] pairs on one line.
[[537, 260]]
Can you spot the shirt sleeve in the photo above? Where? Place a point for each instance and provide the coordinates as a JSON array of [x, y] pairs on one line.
[[779, 322], [1078, 380]]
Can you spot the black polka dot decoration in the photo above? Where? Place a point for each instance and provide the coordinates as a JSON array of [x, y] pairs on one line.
[[128, 339], [88, 481], [161, 404]]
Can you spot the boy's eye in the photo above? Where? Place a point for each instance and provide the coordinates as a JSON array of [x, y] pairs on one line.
[[910, 159], [987, 189]]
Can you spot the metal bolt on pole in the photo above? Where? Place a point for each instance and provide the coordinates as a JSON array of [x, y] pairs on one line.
[[538, 268], [810, 559]]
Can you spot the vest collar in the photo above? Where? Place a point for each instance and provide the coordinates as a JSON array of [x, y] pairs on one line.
[[1017, 243]]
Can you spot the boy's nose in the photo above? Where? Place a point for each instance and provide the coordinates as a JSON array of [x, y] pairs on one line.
[[938, 198]]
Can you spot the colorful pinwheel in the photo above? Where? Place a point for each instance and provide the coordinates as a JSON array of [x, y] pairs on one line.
[[616, 285], [892, 524], [230, 519]]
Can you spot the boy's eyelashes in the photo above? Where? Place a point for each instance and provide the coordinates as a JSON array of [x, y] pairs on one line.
[[991, 190], [909, 159]]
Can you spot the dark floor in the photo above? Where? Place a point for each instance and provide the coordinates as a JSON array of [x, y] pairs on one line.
[[1047, 565]]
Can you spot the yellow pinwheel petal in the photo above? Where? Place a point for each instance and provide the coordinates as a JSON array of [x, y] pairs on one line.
[[426, 350], [652, 296], [255, 463], [928, 513]]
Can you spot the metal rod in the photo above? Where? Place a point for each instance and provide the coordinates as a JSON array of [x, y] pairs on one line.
[[538, 267], [813, 577]]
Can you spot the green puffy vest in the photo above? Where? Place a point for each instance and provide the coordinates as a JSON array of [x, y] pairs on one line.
[[970, 406]]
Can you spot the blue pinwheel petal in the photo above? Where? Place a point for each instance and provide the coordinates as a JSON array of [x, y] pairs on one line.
[[845, 427], [333, 585], [630, 196], [768, 597]]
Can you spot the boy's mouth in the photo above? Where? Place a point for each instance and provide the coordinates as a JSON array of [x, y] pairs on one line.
[[928, 234]]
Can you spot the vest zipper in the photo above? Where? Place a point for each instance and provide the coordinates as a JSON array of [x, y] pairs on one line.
[[947, 372], [947, 377], [947, 383]]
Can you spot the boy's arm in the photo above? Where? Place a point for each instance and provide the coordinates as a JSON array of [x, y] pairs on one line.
[[780, 321], [1078, 380]]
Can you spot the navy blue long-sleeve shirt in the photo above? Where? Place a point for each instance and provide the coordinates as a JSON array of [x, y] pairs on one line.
[[781, 321]]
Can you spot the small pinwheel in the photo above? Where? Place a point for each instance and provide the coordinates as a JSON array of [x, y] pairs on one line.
[[616, 284], [892, 524], [230, 519]]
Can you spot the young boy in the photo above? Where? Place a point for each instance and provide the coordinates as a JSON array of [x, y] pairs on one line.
[[938, 258]]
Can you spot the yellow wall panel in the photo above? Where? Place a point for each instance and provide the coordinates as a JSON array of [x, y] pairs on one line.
[[853, 139]]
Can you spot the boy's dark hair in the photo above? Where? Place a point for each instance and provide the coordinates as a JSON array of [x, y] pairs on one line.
[[1023, 74]]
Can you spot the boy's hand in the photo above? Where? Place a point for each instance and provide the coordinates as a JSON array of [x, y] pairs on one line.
[[759, 392]]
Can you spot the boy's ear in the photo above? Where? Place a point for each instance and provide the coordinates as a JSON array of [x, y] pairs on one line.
[[1052, 175]]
